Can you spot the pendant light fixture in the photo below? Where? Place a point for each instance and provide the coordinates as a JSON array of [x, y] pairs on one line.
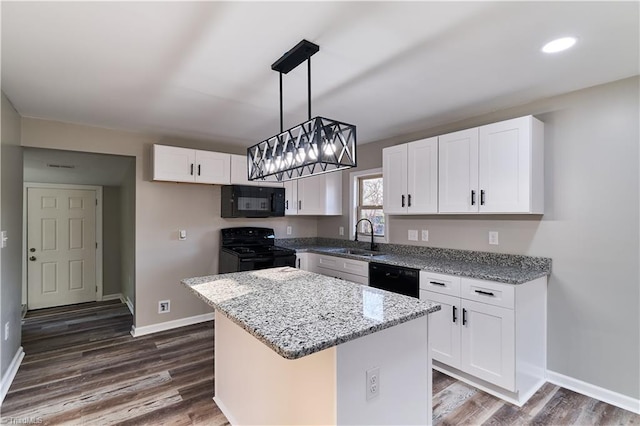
[[319, 145]]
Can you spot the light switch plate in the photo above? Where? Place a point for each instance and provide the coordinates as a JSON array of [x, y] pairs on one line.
[[289, 230], [182, 234], [341, 230], [493, 238], [425, 235], [3, 238], [413, 235]]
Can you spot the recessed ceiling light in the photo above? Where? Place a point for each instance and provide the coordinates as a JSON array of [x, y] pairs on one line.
[[559, 44]]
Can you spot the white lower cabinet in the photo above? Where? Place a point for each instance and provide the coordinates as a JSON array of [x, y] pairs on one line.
[[356, 271], [302, 261], [473, 336]]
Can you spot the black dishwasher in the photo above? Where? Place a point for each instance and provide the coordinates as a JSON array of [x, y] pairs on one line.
[[396, 279]]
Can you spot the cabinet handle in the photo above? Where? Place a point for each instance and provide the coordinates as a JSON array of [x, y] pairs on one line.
[[191, 169], [198, 169], [402, 200], [437, 283], [482, 197], [486, 293], [299, 204], [464, 316], [298, 263], [473, 197], [409, 202], [286, 205], [455, 312]]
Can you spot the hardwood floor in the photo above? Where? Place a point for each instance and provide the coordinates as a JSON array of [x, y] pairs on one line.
[[83, 367]]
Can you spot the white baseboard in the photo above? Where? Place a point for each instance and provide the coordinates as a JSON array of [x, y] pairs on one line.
[[605, 395], [10, 374], [129, 304], [114, 296], [168, 325]]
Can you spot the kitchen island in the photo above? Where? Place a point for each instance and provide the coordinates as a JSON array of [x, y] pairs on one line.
[[294, 347]]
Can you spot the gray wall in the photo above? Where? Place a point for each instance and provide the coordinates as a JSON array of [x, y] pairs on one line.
[[128, 234], [590, 229], [161, 209], [11, 222], [111, 240]]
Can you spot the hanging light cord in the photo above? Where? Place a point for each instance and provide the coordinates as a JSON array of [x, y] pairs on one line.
[[309, 85], [281, 122]]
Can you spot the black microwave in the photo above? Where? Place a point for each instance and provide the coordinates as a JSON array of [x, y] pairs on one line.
[[251, 201]]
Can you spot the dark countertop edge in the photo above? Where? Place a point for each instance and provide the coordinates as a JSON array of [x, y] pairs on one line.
[[529, 273], [292, 355]]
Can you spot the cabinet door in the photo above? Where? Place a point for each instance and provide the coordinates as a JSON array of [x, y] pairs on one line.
[[394, 172], [302, 261], [173, 164], [213, 167], [458, 172], [444, 328], [240, 173], [422, 176], [505, 166], [311, 192], [291, 197], [488, 343]]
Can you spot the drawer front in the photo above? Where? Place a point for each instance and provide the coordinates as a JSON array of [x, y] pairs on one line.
[[341, 264], [488, 292], [343, 276], [439, 283]]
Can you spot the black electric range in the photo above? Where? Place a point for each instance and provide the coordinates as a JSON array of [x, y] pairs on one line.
[[251, 248]]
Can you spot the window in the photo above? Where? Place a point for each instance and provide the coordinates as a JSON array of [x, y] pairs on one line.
[[369, 204]]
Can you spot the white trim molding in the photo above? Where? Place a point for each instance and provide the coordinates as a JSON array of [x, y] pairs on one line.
[[114, 296], [10, 374], [593, 391], [129, 304], [168, 325]]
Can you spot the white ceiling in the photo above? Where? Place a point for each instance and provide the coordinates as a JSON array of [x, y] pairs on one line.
[[202, 69]]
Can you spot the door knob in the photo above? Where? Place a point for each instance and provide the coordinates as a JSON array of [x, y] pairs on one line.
[[32, 258], [32, 249]]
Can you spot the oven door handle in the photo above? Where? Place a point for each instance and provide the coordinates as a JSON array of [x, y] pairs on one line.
[[258, 259]]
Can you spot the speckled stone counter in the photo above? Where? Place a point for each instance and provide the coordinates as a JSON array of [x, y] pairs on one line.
[[504, 268], [297, 313]]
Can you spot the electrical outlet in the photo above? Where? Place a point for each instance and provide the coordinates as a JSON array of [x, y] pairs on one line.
[[341, 230], [425, 235], [182, 234], [493, 238], [413, 235], [373, 383], [164, 306], [289, 230], [6, 330], [3, 238]]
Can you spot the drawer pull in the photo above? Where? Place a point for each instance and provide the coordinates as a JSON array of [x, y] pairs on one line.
[[464, 316], [455, 316], [486, 293], [437, 283]]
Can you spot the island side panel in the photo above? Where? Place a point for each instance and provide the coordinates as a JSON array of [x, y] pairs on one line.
[[401, 353], [254, 385]]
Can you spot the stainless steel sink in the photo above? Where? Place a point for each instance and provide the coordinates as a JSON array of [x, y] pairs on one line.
[[358, 252]]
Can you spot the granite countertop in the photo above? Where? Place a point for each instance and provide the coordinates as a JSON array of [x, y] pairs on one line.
[[504, 268], [297, 313]]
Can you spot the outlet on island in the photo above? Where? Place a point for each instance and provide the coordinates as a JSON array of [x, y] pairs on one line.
[[413, 235]]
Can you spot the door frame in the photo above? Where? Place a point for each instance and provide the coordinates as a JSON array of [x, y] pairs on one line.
[[98, 191]]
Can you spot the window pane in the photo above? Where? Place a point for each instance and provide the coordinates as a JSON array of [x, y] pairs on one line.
[[376, 216], [372, 192]]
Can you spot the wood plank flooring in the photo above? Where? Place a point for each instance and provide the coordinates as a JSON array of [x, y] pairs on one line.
[[82, 367]]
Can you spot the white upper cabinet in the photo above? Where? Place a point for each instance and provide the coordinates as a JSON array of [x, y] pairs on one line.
[[458, 176], [240, 173], [410, 173], [176, 164], [319, 195], [497, 168]]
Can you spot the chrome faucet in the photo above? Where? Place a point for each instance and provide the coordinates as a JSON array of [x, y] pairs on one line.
[[373, 246]]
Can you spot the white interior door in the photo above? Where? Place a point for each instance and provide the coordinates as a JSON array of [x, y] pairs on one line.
[[61, 243]]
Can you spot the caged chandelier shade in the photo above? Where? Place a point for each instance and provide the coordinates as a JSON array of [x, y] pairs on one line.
[[319, 145]]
